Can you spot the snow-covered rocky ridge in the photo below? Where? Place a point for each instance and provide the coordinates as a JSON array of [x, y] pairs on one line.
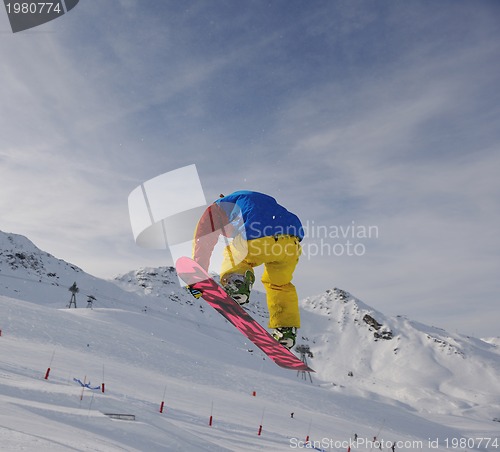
[[376, 375], [423, 367], [30, 274], [162, 284]]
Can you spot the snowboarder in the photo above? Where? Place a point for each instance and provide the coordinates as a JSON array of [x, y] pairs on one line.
[[262, 232]]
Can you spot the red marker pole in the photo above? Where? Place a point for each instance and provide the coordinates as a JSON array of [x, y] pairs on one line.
[[162, 404], [261, 422], [308, 432], [50, 365], [211, 413]]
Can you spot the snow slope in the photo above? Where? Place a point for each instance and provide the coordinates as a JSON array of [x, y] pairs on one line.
[[149, 342], [425, 368]]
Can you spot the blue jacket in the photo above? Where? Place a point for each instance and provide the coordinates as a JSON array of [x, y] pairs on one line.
[[247, 213], [255, 215]]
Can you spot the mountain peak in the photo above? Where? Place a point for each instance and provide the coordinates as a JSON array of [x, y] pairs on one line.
[[155, 281], [345, 309], [18, 252]]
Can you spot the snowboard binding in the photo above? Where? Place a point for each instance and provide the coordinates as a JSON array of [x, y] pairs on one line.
[[238, 286]]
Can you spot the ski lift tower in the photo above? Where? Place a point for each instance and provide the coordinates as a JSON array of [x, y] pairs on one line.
[[74, 290], [90, 301], [305, 352]]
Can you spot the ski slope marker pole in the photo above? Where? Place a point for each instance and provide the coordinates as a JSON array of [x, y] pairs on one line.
[[261, 422], [83, 387], [102, 385], [211, 413], [162, 404], [308, 431], [50, 365]]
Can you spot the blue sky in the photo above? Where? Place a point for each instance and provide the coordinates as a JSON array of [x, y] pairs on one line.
[[379, 113]]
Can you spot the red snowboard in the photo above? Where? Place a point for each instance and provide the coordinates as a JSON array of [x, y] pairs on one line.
[[194, 275]]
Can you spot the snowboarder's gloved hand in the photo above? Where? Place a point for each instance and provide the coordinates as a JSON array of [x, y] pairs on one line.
[[194, 292]]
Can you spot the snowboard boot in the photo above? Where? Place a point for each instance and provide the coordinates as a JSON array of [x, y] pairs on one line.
[[286, 336], [238, 286]]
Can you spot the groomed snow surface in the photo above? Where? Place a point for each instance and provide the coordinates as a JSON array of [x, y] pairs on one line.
[[148, 342]]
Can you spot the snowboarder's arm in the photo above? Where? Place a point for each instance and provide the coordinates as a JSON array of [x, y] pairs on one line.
[[209, 227]]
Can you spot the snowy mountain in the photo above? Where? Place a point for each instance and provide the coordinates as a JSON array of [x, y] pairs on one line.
[[422, 367], [30, 274], [163, 285], [149, 342]]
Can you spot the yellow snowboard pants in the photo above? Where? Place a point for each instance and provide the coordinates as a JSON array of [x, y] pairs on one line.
[[280, 256]]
